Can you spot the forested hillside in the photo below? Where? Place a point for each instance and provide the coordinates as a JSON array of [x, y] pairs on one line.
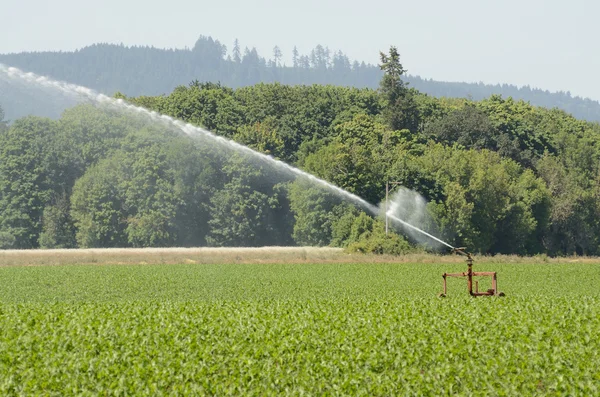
[[138, 71], [501, 176]]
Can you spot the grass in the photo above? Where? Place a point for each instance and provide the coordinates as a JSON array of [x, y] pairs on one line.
[[261, 329], [206, 255], [144, 256]]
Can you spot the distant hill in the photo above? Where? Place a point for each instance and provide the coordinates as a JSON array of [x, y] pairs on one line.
[[136, 71]]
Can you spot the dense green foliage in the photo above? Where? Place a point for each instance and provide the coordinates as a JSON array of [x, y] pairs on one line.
[[362, 329], [500, 176], [151, 71]]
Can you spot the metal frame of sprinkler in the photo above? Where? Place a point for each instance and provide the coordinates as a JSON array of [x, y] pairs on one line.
[[469, 274]]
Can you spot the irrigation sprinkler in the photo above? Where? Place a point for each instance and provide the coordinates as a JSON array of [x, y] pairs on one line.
[[469, 274]]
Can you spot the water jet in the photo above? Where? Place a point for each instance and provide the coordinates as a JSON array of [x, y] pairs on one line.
[[74, 90]]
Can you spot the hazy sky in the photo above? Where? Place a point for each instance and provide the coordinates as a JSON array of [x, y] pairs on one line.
[[548, 44]]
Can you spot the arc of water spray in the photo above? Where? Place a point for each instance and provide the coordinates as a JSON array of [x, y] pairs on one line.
[[396, 219], [191, 130]]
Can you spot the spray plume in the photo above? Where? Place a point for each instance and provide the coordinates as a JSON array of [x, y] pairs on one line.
[[410, 206]]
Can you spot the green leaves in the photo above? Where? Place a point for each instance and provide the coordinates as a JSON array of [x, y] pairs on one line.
[[312, 207], [501, 176], [262, 137], [251, 209], [357, 157], [479, 199], [127, 201], [351, 329], [28, 170], [57, 225]]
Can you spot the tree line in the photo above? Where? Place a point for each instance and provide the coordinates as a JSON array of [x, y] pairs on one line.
[[138, 71], [500, 175]]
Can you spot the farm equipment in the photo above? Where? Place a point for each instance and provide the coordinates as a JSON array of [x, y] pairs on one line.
[[469, 274]]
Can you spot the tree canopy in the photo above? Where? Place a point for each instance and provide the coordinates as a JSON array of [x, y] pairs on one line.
[[500, 175]]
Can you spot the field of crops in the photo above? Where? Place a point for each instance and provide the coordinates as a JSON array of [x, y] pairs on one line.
[[337, 329]]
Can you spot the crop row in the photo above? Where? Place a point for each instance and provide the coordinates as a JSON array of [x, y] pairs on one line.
[[345, 346]]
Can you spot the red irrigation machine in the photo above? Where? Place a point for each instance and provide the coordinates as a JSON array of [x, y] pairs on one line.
[[469, 274]]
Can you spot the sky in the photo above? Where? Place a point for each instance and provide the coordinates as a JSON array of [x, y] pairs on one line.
[[546, 44]]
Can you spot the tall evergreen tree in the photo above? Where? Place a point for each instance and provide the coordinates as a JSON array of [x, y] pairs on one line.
[[391, 84], [295, 57], [237, 55], [277, 56], [401, 110]]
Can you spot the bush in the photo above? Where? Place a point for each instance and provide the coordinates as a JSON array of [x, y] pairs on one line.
[[343, 226], [377, 242], [358, 232]]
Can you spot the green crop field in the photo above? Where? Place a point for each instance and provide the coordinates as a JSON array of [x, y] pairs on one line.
[[298, 329]]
